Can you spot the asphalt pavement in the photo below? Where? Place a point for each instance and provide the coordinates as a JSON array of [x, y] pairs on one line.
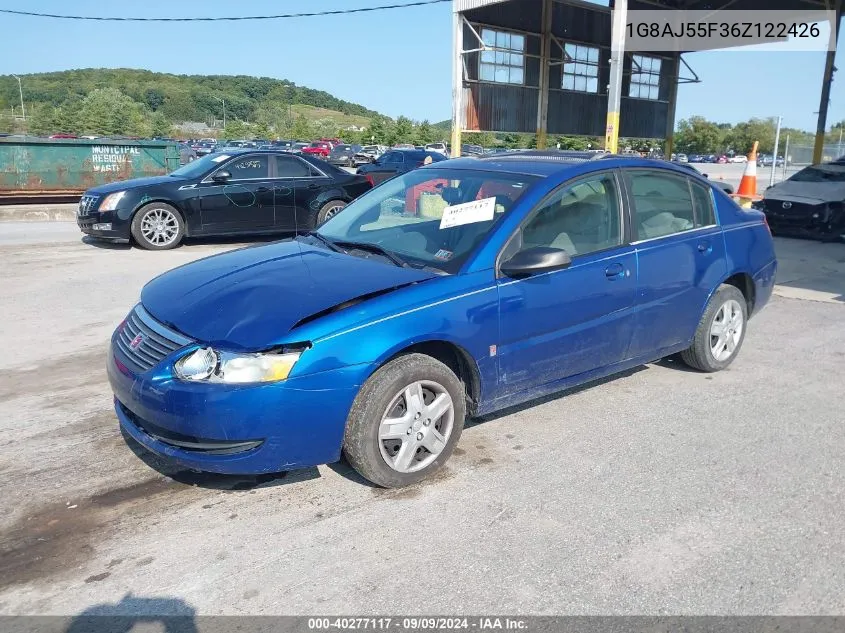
[[661, 491]]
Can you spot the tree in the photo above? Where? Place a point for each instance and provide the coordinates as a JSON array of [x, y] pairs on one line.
[[403, 131], [697, 135], [741, 138], [159, 125], [425, 133], [107, 111], [154, 98], [235, 129], [377, 130], [301, 128]]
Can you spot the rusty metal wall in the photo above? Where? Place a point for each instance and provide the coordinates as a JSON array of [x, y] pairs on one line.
[[490, 107], [31, 166]]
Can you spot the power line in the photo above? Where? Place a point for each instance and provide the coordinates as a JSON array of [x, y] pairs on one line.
[[281, 16]]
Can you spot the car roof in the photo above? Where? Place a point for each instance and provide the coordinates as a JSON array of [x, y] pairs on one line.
[[548, 163]]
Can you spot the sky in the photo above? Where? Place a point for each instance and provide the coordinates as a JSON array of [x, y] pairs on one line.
[[396, 62]]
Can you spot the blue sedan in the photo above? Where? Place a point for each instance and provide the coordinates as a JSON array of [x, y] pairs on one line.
[[454, 290]]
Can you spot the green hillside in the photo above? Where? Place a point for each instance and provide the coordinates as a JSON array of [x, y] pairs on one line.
[[110, 102]]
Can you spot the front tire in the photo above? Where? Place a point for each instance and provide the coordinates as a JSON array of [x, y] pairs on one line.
[[329, 210], [405, 421], [720, 332], [158, 227]]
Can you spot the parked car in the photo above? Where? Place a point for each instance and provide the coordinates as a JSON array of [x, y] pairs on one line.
[[344, 155], [721, 160], [368, 154], [454, 290], [204, 148], [810, 203], [437, 147], [766, 160], [239, 192], [695, 158], [187, 154], [321, 149], [397, 161], [471, 150], [738, 158], [404, 146], [682, 158], [283, 146]]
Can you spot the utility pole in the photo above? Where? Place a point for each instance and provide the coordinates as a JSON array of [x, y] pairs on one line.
[[223, 101], [775, 157], [20, 90], [785, 157]]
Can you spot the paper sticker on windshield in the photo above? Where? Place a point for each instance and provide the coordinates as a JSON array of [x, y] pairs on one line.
[[221, 158], [468, 213], [443, 255]]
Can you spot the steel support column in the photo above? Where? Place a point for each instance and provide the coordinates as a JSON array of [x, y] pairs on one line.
[[670, 111], [821, 125], [617, 56], [457, 82], [545, 59]]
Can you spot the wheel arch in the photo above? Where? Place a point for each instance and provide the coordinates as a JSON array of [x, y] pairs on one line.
[[454, 356]]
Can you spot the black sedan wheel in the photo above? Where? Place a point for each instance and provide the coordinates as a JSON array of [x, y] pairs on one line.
[[329, 210], [158, 227]]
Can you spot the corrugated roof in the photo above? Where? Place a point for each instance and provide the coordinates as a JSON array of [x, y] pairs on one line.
[[459, 6]]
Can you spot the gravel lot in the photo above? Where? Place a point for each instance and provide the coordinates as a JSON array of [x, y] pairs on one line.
[[662, 491]]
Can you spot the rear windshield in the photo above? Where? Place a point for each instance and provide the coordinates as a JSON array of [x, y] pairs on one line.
[[820, 173], [343, 148]]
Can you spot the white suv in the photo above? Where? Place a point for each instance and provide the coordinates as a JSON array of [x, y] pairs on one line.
[[437, 147]]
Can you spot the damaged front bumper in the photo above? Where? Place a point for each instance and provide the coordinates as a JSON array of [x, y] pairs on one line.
[[235, 429]]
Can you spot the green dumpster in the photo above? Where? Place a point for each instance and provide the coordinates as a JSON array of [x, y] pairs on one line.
[[32, 166]]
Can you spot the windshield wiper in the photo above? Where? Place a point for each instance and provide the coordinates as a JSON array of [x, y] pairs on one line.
[[375, 248], [325, 241]]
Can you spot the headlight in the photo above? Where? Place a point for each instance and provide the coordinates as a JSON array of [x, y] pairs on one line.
[[227, 367], [111, 201]]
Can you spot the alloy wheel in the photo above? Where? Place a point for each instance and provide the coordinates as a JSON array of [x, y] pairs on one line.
[[160, 227], [726, 330], [416, 426]]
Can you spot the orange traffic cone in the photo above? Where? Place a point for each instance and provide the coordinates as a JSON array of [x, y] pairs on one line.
[[747, 192]]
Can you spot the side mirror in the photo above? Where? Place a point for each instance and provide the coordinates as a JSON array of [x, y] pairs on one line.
[[221, 176], [536, 260], [706, 175]]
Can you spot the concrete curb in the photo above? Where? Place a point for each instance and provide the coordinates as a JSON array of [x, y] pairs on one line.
[[38, 213]]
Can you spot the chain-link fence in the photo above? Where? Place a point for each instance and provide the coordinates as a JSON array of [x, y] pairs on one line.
[[802, 155]]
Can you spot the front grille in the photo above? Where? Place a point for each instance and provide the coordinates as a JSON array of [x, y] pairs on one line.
[[796, 211], [86, 205], [144, 342]]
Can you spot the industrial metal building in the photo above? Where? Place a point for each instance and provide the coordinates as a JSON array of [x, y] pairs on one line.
[[560, 67]]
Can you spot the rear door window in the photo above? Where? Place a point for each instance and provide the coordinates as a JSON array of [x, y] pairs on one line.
[[702, 196], [292, 167], [662, 204], [253, 167]]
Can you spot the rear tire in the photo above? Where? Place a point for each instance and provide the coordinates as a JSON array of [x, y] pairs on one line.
[[329, 210], [158, 226], [720, 332], [405, 421]]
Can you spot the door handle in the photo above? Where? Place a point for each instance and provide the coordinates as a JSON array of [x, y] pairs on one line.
[[313, 185], [263, 189], [614, 271], [705, 247]]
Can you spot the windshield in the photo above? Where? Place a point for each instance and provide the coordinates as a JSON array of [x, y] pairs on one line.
[[820, 173], [198, 167], [423, 216]]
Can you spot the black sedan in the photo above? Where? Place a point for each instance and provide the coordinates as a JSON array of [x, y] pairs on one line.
[[397, 161], [810, 203], [238, 192]]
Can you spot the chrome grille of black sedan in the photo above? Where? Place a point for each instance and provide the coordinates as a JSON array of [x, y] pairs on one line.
[[86, 205], [144, 342]]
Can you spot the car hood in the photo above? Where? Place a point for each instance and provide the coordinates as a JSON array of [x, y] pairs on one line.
[[250, 298], [135, 183], [810, 192]]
